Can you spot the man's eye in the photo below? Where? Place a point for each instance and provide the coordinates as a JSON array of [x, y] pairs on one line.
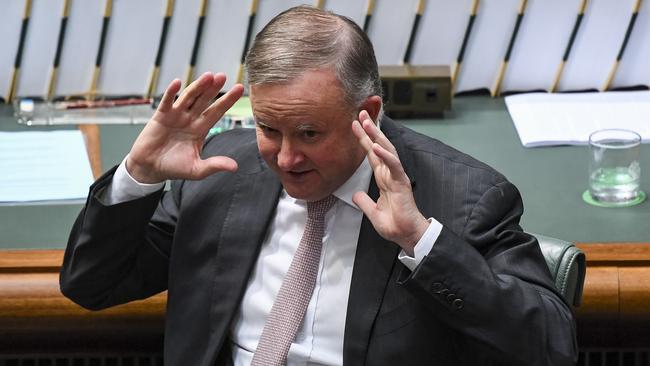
[[265, 129], [309, 134]]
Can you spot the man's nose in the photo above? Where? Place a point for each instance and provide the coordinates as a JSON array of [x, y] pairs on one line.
[[288, 156]]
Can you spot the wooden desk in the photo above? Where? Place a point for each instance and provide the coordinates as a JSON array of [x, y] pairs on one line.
[[36, 318], [616, 302]]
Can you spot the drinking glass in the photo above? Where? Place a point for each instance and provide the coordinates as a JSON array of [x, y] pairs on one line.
[[614, 167]]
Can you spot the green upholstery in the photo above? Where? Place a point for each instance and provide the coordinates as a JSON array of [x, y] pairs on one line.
[[567, 265]]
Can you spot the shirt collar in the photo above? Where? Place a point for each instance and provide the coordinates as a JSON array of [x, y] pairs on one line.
[[359, 181]]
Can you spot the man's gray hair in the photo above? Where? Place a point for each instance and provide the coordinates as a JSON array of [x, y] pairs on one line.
[[306, 38]]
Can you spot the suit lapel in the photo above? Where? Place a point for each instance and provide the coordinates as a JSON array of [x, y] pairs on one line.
[[373, 264], [245, 225]]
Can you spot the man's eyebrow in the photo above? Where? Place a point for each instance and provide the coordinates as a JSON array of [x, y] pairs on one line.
[[305, 126]]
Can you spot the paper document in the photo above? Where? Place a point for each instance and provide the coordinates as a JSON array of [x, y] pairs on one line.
[[568, 119], [43, 166]]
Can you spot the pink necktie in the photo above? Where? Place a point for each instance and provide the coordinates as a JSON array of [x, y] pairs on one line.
[[297, 287]]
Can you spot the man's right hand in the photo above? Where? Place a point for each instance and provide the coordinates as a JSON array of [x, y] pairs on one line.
[[170, 144]]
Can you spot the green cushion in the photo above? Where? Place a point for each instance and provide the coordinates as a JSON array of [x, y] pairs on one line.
[[567, 265]]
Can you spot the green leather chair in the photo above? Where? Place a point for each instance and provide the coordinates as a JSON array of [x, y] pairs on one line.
[[567, 265]]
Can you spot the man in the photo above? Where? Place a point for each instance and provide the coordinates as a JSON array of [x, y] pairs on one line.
[[420, 260]]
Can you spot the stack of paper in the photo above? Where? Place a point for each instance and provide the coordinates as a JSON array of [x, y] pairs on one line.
[[568, 119], [43, 166]]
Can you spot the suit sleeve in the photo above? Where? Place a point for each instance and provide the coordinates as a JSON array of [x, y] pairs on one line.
[[490, 283], [114, 253], [119, 253]]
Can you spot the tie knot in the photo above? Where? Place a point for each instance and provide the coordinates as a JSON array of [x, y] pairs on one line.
[[318, 209]]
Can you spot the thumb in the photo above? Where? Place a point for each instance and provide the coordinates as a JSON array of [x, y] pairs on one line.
[[366, 204], [214, 164]]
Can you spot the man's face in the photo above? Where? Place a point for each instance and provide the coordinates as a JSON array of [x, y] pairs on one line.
[[304, 133]]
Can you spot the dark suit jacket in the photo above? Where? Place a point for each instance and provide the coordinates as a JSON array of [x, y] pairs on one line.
[[482, 296]]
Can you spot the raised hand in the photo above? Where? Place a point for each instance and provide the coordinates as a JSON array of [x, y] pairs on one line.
[[395, 215], [169, 146]]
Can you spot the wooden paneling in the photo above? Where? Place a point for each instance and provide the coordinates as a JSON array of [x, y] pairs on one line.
[[93, 147], [619, 253], [634, 292], [36, 317], [30, 260], [615, 310], [600, 299], [616, 298]]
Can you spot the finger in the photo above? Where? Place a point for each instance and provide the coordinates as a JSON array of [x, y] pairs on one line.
[[204, 100], [193, 91], [392, 162], [167, 100], [363, 115], [374, 132], [362, 136], [217, 109], [376, 135], [365, 203], [366, 143], [211, 165]]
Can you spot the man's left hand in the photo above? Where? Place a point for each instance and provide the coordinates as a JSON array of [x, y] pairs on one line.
[[395, 215]]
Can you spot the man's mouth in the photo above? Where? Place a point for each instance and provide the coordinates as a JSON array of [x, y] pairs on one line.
[[298, 174]]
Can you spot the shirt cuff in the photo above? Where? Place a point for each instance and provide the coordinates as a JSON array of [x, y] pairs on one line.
[[423, 246], [124, 188]]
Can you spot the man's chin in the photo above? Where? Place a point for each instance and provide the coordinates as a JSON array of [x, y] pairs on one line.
[[305, 192], [300, 194]]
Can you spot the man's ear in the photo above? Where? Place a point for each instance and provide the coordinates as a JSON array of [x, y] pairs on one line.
[[372, 105]]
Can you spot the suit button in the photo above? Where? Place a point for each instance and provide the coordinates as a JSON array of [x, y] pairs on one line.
[[451, 297], [437, 287], [457, 304]]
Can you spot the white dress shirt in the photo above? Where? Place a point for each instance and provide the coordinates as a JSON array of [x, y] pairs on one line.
[[320, 339]]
